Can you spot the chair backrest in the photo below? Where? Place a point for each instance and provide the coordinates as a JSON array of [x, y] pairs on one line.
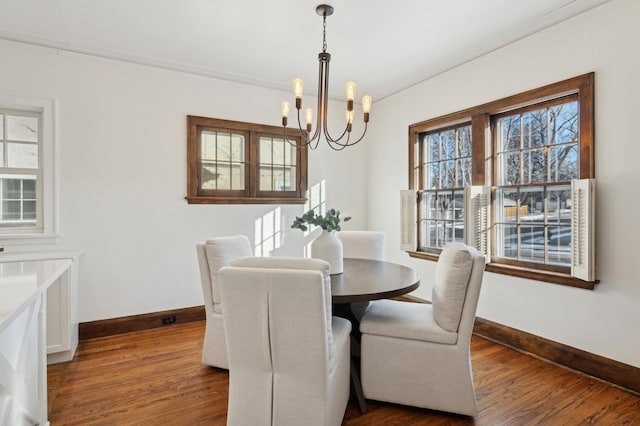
[[362, 244], [213, 255], [456, 287], [300, 263], [276, 332]]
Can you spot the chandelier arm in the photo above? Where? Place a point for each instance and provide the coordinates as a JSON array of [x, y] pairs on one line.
[[347, 143], [307, 140]]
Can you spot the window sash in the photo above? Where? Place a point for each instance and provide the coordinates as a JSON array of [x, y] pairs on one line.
[[21, 136]]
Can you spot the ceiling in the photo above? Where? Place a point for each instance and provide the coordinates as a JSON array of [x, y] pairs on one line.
[[383, 46]]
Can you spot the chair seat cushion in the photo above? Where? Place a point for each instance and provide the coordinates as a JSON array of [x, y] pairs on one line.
[[405, 320]]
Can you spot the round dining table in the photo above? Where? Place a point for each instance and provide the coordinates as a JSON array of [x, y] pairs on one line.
[[364, 280]]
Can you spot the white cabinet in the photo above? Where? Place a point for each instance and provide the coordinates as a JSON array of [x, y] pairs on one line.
[[62, 303], [23, 353]]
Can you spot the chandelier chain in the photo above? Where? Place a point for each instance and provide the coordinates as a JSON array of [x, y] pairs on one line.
[[324, 34]]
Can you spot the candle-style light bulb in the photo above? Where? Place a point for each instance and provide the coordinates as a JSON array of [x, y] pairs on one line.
[[285, 107], [308, 115], [366, 107], [366, 103], [350, 89], [298, 86], [349, 117], [349, 120]]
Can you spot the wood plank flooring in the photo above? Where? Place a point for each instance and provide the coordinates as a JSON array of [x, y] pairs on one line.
[[155, 377]]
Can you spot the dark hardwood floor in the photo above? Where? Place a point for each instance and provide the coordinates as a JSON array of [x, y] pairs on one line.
[[155, 377]]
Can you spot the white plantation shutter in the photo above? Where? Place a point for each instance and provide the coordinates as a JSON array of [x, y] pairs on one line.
[[477, 218], [583, 229], [408, 220]]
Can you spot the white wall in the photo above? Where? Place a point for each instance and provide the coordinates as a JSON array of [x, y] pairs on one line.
[[122, 174], [604, 321]]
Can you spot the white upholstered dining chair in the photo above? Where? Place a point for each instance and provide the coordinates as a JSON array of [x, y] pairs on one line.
[[289, 359], [362, 245], [418, 354], [213, 255]]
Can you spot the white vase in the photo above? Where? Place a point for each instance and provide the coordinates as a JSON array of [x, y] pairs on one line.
[[328, 247]]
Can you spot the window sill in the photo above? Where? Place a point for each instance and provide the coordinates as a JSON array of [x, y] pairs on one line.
[[28, 239], [528, 273]]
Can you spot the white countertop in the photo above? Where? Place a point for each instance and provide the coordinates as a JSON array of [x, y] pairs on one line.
[[21, 282]]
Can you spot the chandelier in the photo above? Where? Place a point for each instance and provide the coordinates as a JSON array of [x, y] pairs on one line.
[[312, 142]]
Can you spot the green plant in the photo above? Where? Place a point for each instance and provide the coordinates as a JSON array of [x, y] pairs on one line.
[[329, 222]]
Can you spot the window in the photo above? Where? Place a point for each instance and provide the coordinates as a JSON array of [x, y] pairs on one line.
[[526, 151], [20, 170], [236, 162]]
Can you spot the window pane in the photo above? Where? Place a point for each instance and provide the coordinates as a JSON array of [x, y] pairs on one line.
[[290, 179], [22, 155], [532, 243], [444, 206], [448, 174], [266, 179], [208, 145], [279, 156], [237, 148], [564, 163], [559, 202], [29, 210], [11, 189], [509, 133], [1, 126], [433, 151], [447, 233], [266, 151], [559, 245], [532, 205], [563, 120], [458, 206], [237, 176], [20, 128], [223, 178], [29, 189], [534, 125], [458, 231], [223, 147], [535, 166], [432, 176], [2, 154], [464, 141], [448, 144], [507, 241], [209, 176], [10, 210], [507, 205], [509, 168], [464, 173]]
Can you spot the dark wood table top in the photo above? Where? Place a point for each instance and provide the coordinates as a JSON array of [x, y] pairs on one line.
[[364, 280]]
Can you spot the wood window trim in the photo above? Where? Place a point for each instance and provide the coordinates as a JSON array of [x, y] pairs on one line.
[[251, 194], [482, 155]]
